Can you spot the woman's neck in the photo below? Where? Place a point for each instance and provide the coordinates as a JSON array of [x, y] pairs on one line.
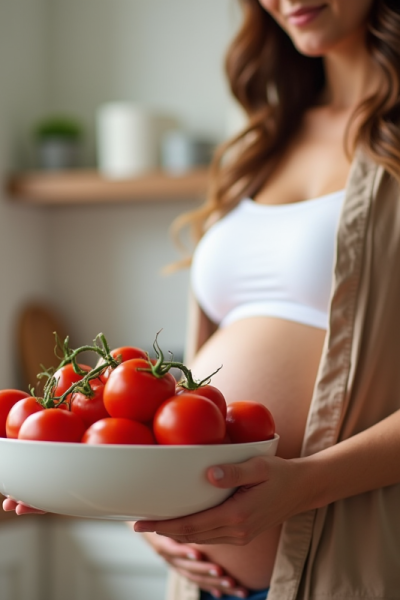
[[351, 75]]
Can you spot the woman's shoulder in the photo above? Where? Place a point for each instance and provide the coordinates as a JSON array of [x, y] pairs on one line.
[[212, 219]]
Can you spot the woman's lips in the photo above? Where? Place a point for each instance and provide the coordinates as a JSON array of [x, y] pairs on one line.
[[304, 16]]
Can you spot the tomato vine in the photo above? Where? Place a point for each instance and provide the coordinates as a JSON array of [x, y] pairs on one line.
[[158, 368], [100, 347]]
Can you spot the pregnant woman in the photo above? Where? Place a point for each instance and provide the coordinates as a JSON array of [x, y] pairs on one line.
[[296, 278]]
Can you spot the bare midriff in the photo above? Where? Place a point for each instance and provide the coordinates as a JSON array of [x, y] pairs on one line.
[[273, 361]]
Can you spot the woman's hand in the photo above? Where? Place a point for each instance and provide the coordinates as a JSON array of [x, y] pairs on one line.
[[270, 490], [192, 565], [20, 508]]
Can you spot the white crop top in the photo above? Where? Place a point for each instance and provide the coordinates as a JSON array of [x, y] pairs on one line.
[[271, 260]]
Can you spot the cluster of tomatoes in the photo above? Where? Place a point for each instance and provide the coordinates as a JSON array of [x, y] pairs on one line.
[[129, 398]]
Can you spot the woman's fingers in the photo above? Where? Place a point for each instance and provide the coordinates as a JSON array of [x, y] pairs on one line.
[[187, 526], [184, 527], [227, 523], [217, 585], [170, 549], [23, 509], [192, 564], [9, 504], [250, 472], [20, 508], [165, 546], [198, 567], [181, 555]]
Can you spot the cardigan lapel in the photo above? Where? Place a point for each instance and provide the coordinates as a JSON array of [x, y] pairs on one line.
[[335, 373]]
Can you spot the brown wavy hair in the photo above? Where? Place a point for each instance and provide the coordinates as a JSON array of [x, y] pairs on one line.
[[263, 66]]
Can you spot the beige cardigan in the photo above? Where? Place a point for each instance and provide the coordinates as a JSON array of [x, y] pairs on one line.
[[350, 549]]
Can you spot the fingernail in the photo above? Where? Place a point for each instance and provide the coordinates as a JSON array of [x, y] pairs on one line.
[[141, 528], [239, 594], [225, 583], [213, 572], [191, 556], [217, 473]]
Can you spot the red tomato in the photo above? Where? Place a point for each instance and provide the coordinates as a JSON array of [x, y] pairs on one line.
[[66, 376], [248, 421], [19, 412], [90, 409], [210, 392], [135, 394], [7, 399], [124, 353], [189, 419], [52, 425], [118, 431]]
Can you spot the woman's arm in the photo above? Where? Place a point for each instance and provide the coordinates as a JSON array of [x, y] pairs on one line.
[[272, 489], [199, 329], [364, 462]]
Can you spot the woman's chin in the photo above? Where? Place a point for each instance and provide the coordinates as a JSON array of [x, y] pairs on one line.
[[312, 48]]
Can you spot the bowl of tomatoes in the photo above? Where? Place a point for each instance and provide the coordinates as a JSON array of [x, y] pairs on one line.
[[124, 440]]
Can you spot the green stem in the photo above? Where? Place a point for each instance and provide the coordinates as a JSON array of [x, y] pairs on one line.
[[72, 357], [79, 386], [83, 385], [161, 368], [191, 384]]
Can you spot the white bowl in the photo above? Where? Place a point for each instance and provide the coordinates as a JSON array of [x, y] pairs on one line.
[[115, 481]]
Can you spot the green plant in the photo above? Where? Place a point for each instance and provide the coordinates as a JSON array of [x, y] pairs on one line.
[[58, 126]]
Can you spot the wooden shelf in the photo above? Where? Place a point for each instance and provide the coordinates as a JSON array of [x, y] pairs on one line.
[[84, 186]]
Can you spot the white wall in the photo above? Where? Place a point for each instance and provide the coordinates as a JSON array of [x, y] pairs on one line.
[[106, 274], [164, 54], [23, 95], [100, 265]]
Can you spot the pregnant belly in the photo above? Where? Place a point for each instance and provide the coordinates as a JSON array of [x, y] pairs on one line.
[[275, 362]]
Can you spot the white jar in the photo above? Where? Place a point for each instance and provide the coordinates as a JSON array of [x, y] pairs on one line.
[[127, 143]]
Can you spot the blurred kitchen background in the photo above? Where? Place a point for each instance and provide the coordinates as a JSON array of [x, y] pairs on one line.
[[98, 264]]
